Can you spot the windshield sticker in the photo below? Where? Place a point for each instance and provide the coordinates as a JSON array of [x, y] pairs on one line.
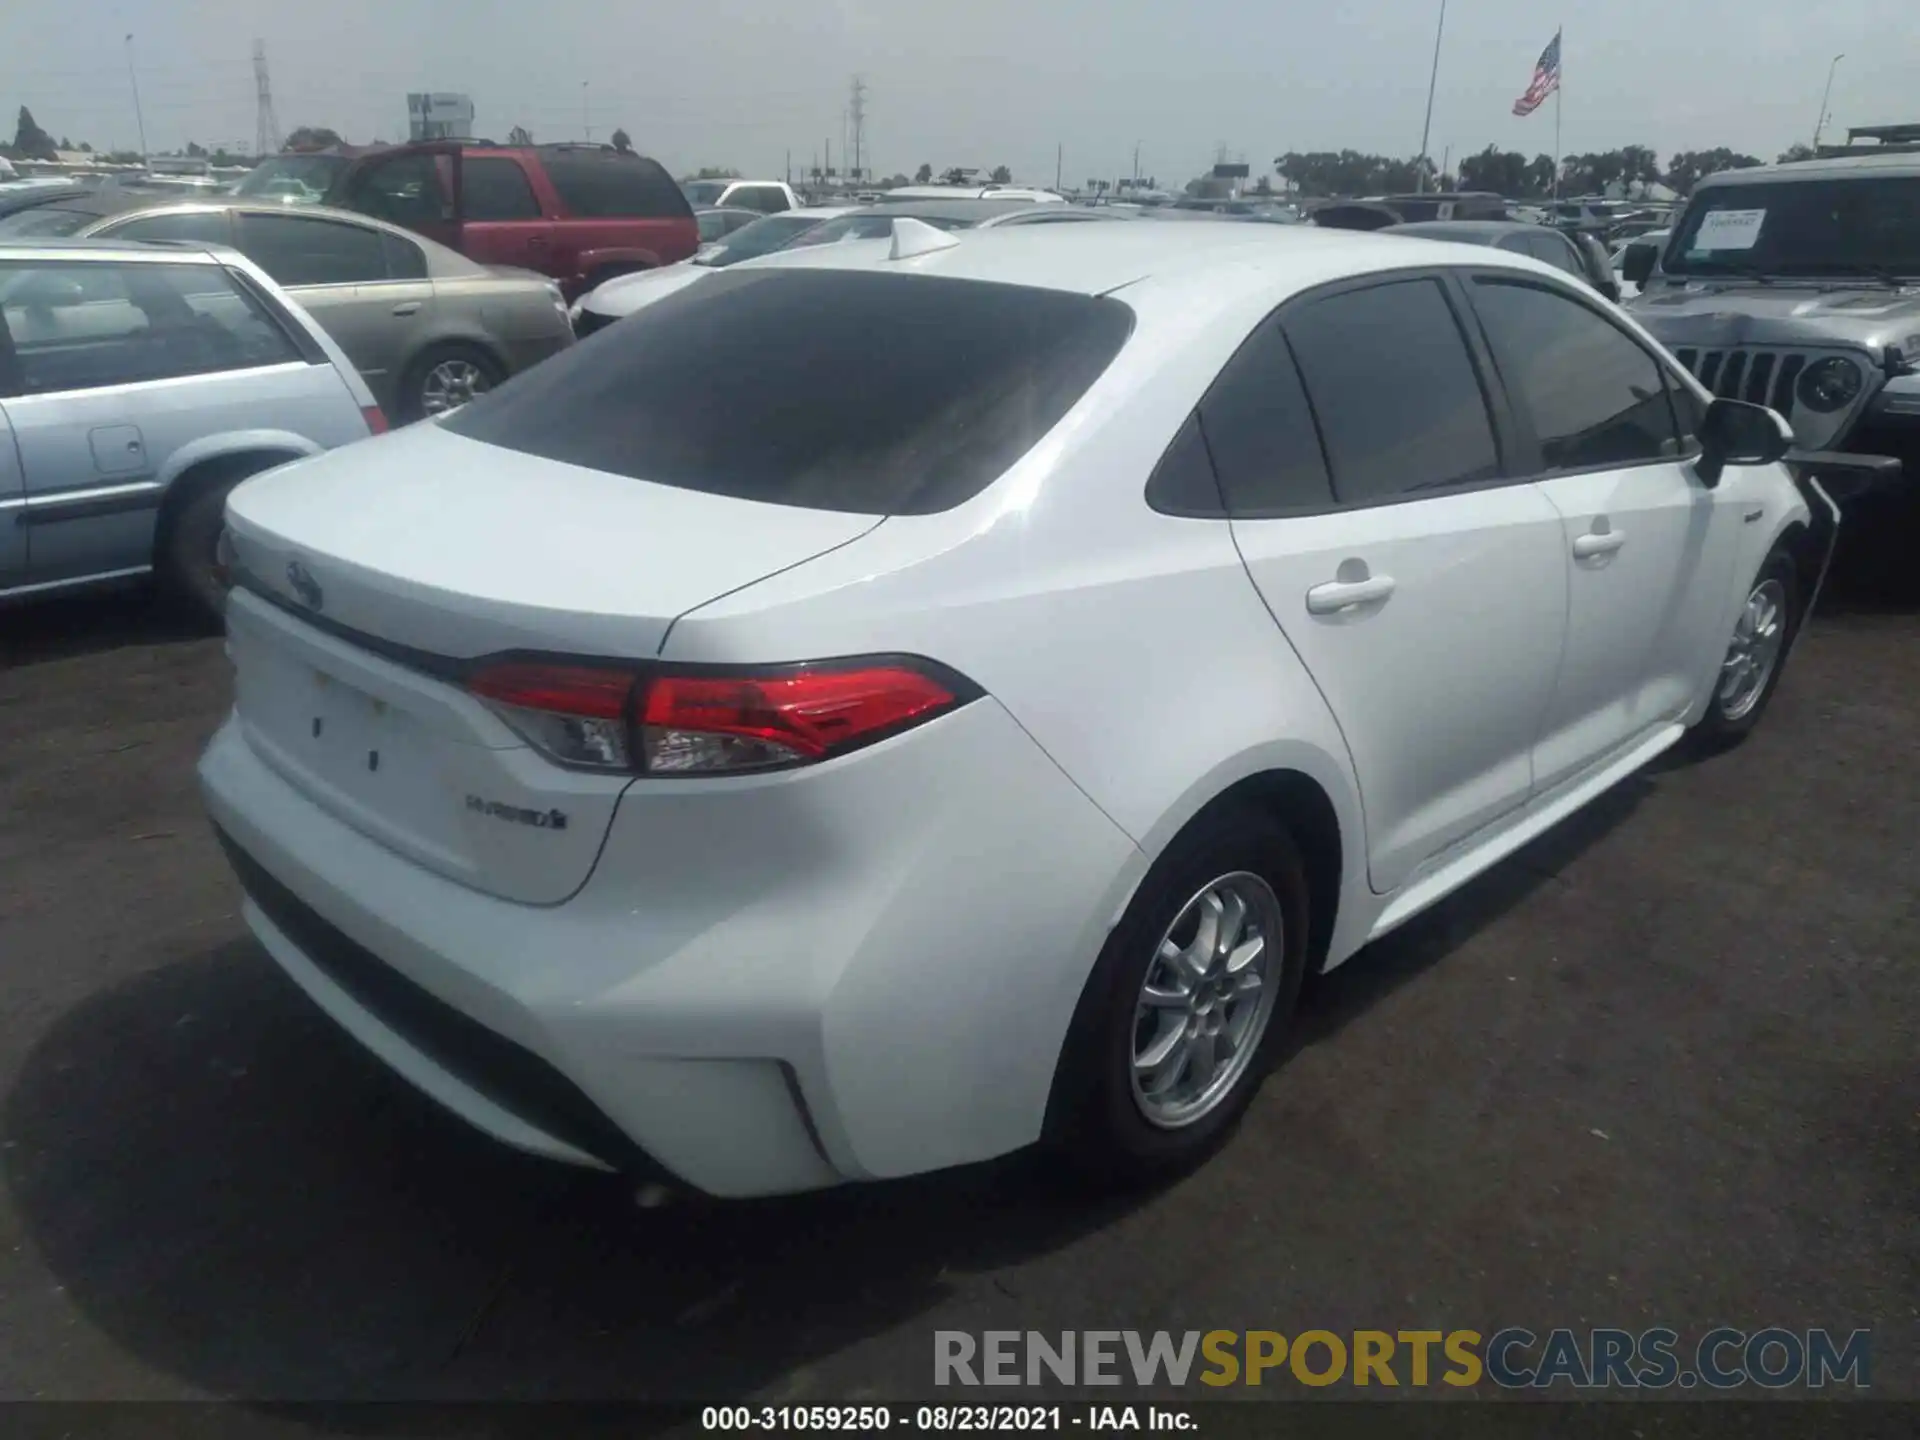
[[1727, 230]]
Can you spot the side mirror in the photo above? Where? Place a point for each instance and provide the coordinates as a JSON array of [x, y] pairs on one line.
[[1637, 265], [1736, 433]]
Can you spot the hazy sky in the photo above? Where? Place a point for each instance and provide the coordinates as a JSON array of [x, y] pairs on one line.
[[975, 82]]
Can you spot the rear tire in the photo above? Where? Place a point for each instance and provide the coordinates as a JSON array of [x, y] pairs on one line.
[[1152, 1078], [189, 573], [445, 377], [1756, 654]]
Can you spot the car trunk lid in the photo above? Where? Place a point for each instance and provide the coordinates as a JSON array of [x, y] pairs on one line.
[[371, 578]]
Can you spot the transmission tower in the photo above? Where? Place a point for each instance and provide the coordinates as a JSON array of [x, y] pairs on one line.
[[266, 128], [857, 119]]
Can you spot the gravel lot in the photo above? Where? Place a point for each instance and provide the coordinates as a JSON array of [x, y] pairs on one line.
[[1659, 1069]]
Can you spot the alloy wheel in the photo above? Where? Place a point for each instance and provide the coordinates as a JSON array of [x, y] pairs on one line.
[[1758, 637], [451, 384], [1205, 1003]]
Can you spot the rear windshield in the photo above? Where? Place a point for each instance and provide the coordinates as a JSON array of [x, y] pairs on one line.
[[828, 389], [605, 185]]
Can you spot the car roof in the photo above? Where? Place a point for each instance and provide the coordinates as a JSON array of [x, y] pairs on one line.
[[1100, 259], [65, 248], [970, 192], [1836, 167], [970, 207], [1479, 230], [445, 261]]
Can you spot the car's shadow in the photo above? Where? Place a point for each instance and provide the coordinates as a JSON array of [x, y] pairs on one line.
[[234, 1192], [101, 621]]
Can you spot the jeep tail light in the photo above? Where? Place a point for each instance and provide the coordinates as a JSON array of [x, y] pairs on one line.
[[709, 721]]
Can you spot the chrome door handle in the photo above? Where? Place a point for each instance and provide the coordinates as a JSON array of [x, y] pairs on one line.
[[410, 307], [1338, 595], [1602, 542]]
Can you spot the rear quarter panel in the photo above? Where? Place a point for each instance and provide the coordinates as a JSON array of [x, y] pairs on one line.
[[1132, 646]]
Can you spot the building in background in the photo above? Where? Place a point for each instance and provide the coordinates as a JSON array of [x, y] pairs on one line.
[[439, 116]]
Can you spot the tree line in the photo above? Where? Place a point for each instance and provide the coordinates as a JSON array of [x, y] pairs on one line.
[[1510, 172]]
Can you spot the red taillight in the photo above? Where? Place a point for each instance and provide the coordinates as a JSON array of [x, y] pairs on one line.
[[694, 723], [703, 723], [376, 419]]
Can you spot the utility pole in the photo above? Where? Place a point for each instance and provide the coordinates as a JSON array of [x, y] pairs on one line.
[[133, 81], [857, 118], [1826, 95], [789, 167], [1433, 79], [1059, 158], [1136, 165], [586, 127]]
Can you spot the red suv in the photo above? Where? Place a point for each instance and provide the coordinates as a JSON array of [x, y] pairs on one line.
[[580, 213]]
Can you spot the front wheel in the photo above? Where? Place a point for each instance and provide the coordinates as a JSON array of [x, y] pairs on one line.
[[1188, 1004], [1756, 654]]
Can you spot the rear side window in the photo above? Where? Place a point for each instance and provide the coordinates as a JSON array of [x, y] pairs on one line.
[[492, 187], [1393, 387], [298, 250], [600, 184], [205, 227], [1261, 432], [767, 199], [1596, 398], [908, 395], [405, 260], [81, 327]]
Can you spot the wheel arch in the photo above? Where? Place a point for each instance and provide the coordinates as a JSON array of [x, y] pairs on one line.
[[1314, 796], [215, 458]]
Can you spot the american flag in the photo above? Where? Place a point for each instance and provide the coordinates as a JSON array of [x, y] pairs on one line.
[[1546, 79]]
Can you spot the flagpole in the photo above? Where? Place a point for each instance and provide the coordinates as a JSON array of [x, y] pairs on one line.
[[1433, 79], [1559, 88]]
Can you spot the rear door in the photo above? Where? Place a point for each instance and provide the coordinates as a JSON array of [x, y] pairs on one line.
[[502, 221], [1357, 445], [1648, 547], [368, 290]]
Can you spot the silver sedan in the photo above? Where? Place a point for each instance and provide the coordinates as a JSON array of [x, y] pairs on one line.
[[427, 327]]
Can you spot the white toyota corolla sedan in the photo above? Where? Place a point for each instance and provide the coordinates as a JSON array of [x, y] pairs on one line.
[[770, 766]]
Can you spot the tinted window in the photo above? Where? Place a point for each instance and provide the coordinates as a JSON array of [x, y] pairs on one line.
[[1552, 249], [204, 228], [405, 260], [705, 192], [911, 394], [1183, 483], [767, 199], [759, 237], [1393, 387], [407, 191], [1261, 433], [78, 327], [299, 177], [493, 187], [600, 183], [296, 250], [1802, 227], [1595, 397]]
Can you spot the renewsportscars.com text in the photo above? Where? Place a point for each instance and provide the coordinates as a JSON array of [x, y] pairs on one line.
[[1721, 1359]]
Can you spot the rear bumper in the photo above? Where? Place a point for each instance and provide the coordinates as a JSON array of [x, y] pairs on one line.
[[767, 985]]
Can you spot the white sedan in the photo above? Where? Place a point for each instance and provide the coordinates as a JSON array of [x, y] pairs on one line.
[[772, 766], [624, 294]]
